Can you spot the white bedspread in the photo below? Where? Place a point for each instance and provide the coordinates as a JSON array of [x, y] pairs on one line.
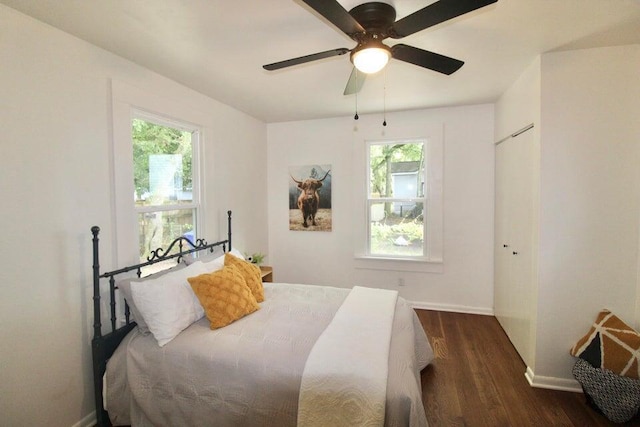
[[344, 382], [249, 373]]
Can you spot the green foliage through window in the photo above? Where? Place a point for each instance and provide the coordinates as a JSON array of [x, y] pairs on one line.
[[149, 139], [166, 201], [381, 158], [396, 199]]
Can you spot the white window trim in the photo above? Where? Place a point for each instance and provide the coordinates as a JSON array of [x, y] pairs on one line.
[[433, 262], [130, 102]]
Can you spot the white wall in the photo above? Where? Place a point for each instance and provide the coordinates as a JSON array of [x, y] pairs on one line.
[[584, 104], [55, 136], [589, 195], [327, 258], [517, 108], [519, 105]]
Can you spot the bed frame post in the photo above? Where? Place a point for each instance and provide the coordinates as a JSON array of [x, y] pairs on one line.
[[96, 284], [229, 228], [97, 346]]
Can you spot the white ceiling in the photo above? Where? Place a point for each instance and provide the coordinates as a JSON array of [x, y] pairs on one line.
[[218, 47]]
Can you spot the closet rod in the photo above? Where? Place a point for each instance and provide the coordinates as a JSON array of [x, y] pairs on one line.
[[516, 133]]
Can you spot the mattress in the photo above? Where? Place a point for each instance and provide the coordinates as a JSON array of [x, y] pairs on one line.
[[249, 372]]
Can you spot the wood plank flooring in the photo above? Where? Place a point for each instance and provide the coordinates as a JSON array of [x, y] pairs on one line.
[[477, 379]]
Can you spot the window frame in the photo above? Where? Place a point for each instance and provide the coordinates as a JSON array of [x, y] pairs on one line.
[[195, 204], [129, 101], [433, 133], [370, 200]]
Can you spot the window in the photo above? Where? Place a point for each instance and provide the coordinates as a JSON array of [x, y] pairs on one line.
[[399, 217], [396, 199], [144, 116], [165, 180]]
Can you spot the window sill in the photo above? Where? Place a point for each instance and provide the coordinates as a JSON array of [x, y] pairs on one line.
[[399, 264]]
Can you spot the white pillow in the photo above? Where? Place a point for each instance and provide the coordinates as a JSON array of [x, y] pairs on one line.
[[168, 304], [236, 253], [216, 263], [206, 257], [125, 287]]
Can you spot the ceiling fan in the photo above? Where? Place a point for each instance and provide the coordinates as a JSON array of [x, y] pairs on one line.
[[370, 23]]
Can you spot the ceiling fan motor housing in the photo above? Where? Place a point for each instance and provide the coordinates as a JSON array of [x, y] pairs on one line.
[[376, 18]]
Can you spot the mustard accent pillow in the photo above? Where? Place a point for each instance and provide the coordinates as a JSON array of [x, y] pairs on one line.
[[224, 295], [610, 344], [251, 274]]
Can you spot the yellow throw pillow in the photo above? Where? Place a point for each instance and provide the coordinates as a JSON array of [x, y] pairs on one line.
[[610, 344], [224, 295], [251, 274]]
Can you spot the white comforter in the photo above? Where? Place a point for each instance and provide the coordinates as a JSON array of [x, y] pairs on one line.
[[249, 373], [344, 382]]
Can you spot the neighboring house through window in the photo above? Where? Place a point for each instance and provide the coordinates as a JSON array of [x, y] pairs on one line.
[[402, 190], [396, 199]]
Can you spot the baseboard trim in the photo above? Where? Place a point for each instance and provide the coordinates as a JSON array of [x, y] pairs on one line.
[[552, 383], [88, 421], [451, 308]]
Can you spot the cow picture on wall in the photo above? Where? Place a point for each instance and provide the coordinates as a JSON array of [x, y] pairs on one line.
[[310, 198]]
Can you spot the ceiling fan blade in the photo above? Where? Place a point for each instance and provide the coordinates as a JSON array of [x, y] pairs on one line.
[[423, 58], [337, 15], [306, 58], [356, 80], [434, 14]]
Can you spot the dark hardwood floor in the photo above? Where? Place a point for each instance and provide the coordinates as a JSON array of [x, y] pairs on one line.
[[477, 379]]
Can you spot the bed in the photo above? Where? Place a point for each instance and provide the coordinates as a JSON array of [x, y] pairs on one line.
[[296, 360]]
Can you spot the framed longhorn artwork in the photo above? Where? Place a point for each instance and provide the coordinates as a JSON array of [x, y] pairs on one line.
[[310, 198]]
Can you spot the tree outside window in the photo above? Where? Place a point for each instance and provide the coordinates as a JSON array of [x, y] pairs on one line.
[[396, 199], [163, 172]]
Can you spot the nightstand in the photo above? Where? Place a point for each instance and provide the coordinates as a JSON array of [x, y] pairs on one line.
[[267, 273]]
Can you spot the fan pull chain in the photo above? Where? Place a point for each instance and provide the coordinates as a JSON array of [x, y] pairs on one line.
[[356, 116], [384, 99]]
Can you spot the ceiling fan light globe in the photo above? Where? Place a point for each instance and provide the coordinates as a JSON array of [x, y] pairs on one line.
[[370, 60]]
